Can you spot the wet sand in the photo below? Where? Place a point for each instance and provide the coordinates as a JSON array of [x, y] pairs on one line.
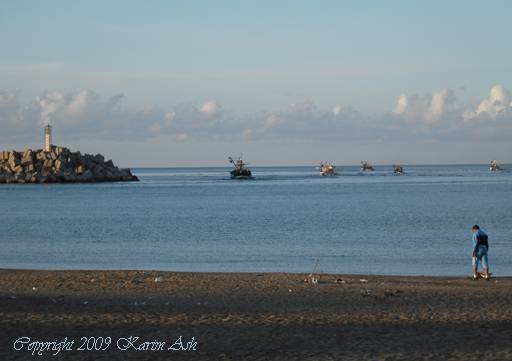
[[251, 316]]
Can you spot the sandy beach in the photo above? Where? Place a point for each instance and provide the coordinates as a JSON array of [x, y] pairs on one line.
[[269, 316]]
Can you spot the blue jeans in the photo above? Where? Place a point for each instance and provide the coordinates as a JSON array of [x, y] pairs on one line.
[[481, 256]]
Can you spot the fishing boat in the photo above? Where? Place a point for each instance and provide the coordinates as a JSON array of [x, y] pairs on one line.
[[398, 169], [366, 166], [494, 166], [327, 169], [240, 170]]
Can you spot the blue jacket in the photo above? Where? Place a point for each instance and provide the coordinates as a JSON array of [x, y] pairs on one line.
[[480, 238]]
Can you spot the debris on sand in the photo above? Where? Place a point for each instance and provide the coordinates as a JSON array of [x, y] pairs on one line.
[[314, 276], [311, 279], [367, 292], [392, 292]]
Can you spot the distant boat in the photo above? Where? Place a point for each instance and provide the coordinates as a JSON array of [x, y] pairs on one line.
[[327, 169], [494, 166], [366, 166], [398, 169], [240, 170]]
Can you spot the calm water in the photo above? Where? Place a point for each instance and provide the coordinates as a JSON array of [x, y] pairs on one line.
[[197, 219]]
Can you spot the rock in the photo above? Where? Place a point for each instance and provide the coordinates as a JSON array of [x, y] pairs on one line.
[[40, 155], [126, 175], [87, 176], [27, 157], [14, 159], [60, 176], [58, 165], [70, 178]]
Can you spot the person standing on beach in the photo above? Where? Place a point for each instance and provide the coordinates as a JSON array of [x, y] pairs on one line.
[[480, 249]]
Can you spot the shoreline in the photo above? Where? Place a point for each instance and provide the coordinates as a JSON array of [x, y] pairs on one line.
[[154, 270], [262, 316], [303, 274]]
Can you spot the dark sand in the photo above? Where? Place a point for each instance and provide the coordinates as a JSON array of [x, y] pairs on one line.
[[259, 316]]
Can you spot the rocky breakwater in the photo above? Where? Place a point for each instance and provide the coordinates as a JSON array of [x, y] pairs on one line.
[[60, 165]]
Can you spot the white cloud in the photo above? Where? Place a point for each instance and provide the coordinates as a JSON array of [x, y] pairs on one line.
[[441, 100], [9, 108], [170, 116], [87, 114], [498, 103], [427, 109], [401, 104], [210, 108], [274, 120], [49, 102], [79, 103], [302, 108], [337, 109]]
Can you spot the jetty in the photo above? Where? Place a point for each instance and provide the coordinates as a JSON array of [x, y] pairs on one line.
[[59, 165]]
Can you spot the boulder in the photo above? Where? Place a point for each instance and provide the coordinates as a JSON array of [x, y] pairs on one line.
[[40, 155], [18, 177], [58, 165], [70, 178], [13, 159], [87, 176], [27, 157]]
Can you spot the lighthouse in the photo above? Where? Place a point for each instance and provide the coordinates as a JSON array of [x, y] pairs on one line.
[[47, 138]]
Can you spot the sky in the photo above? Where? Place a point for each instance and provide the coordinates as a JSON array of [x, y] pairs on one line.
[[188, 83]]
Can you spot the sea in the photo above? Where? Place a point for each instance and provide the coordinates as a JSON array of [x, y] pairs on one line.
[[286, 219]]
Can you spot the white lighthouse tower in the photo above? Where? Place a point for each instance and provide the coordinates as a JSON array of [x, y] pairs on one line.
[[47, 138]]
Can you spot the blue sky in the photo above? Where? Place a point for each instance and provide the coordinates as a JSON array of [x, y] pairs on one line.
[[253, 66]]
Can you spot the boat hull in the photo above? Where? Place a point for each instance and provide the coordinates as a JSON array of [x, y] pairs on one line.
[[245, 174]]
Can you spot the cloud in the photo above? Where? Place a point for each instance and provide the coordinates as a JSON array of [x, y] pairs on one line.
[[77, 114], [181, 137], [210, 108], [427, 109], [337, 110], [9, 109], [274, 120], [439, 115], [497, 104], [401, 105]]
